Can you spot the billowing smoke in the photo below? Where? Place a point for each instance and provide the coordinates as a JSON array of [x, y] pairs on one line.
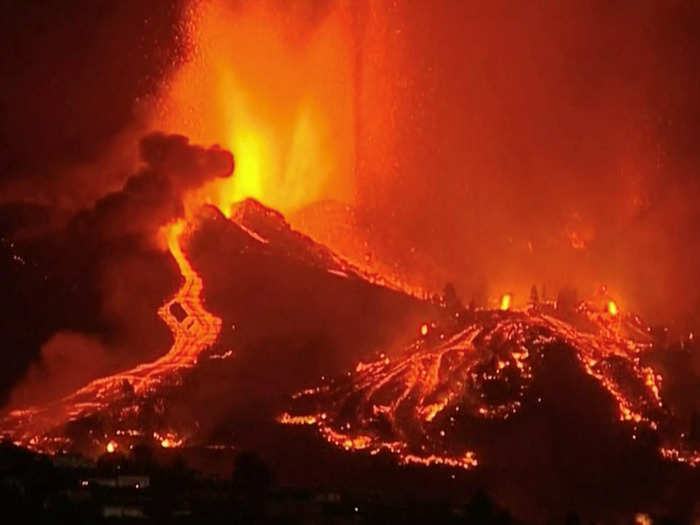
[[154, 196], [107, 275]]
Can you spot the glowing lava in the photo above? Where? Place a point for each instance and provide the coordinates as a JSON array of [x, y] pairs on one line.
[[192, 334], [424, 405], [273, 87]]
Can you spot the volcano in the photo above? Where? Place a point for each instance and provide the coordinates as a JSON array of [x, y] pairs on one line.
[[391, 382], [277, 292]]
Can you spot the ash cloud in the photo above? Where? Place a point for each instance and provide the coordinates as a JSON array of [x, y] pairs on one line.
[[154, 196]]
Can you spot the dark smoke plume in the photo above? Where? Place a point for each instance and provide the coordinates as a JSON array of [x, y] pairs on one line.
[[103, 276]]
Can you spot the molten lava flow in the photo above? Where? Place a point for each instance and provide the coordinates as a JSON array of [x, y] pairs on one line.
[[196, 331], [424, 405], [199, 330]]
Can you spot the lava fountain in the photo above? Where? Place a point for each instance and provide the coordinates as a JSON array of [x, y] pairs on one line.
[[283, 107]]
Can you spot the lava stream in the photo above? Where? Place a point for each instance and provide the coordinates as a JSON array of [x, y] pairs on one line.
[[194, 333], [424, 404]]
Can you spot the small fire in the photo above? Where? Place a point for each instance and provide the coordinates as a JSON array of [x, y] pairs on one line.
[[424, 329], [506, 301], [168, 440], [612, 308], [112, 447]]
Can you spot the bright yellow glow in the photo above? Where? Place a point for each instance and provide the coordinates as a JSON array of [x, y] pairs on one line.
[[642, 519], [506, 301], [112, 447], [612, 308], [279, 101], [424, 329]]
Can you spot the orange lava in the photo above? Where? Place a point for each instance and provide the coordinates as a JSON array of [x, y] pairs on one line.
[[195, 333], [409, 405]]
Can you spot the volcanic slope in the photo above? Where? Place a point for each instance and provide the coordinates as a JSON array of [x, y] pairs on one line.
[[255, 293]]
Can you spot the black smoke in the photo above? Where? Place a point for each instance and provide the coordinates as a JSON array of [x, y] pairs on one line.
[[103, 274], [153, 197]]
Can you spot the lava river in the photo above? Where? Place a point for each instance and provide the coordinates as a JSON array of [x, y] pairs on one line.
[[426, 404], [194, 330]]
